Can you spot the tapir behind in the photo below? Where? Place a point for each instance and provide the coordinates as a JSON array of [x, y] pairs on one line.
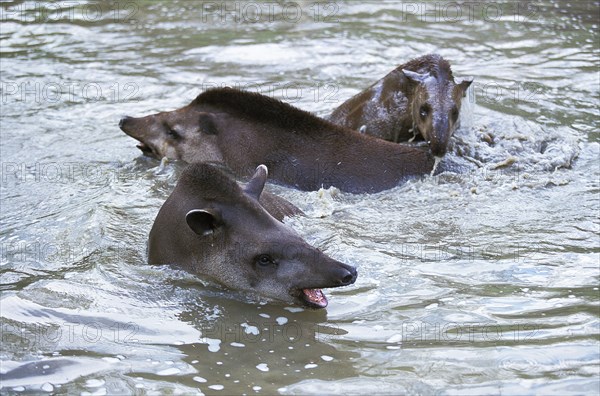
[[418, 99], [212, 226], [242, 130]]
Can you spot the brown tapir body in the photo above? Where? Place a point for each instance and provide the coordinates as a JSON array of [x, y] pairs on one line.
[[242, 130], [210, 225], [417, 99]]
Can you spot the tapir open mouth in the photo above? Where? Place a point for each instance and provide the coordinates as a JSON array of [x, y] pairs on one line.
[[314, 298], [147, 150], [311, 298]]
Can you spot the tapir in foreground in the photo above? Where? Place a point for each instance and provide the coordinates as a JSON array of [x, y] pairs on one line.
[[419, 99], [242, 130], [212, 226]]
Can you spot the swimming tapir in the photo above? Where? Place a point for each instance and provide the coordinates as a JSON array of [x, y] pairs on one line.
[[243, 129], [211, 225], [417, 99]]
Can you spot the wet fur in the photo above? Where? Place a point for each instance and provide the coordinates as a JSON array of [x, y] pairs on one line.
[[264, 109], [387, 108], [242, 129], [323, 154]]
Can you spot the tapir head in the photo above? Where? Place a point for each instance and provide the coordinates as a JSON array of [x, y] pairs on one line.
[[435, 107], [230, 237], [184, 134]]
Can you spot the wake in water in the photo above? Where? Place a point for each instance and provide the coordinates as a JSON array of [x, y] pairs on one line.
[[492, 141]]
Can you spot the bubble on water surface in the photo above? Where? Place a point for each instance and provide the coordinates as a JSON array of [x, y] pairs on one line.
[[262, 367]]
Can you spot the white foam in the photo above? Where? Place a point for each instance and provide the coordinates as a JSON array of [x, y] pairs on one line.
[[248, 329], [169, 371], [214, 345], [294, 309], [94, 383], [435, 164], [262, 367]]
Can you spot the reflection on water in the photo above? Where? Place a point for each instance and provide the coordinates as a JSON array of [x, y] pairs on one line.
[[484, 281]]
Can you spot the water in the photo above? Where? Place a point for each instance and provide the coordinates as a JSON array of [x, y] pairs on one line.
[[472, 283]]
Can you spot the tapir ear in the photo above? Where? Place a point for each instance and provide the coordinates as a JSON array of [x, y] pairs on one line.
[[206, 124], [203, 222], [416, 77], [464, 85], [256, 185]]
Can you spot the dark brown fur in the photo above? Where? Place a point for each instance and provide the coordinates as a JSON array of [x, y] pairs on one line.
[[404, 105], [243, 129]]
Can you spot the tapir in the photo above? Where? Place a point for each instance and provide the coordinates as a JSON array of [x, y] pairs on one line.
[[244, 129], [212, 226], [419, 99]]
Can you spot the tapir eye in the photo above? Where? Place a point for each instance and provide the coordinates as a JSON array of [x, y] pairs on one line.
[[454, 114], [264, 260], [172, 133], [424, 110]]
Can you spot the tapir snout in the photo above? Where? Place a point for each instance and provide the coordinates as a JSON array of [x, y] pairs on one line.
[[349, 276], [123, 121], [334, 274], [438, 141], [343, 275], [137, 129]]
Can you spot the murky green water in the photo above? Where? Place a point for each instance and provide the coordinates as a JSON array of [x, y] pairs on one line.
[[478, 283]]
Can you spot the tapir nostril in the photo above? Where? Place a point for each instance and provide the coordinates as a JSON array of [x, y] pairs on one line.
[[349, 277]]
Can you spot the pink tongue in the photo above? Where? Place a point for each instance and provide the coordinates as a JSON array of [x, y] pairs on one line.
[[316, 297]]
